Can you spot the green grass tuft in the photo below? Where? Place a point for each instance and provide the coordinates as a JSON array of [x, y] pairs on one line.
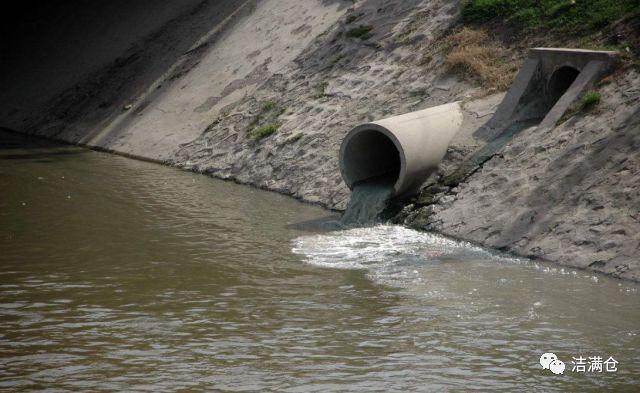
[[264, 131], [590, 100], [268, 105]]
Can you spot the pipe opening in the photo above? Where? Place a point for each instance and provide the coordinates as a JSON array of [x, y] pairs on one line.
[[560, 82], [370, 154]]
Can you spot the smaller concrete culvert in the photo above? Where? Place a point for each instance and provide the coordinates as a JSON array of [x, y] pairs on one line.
[[559, 83], [550, 80], [407, 148]]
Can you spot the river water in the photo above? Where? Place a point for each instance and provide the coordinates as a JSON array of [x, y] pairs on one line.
[[117, 274]]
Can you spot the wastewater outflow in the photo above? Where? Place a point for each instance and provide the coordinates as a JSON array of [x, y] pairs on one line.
[[368, 200]]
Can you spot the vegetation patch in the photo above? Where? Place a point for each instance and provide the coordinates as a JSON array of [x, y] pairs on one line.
[[268, 105], [561, 16], [587, 103], [264, 131], [590, 101], [265, 122], [362, 32], [472, 54]]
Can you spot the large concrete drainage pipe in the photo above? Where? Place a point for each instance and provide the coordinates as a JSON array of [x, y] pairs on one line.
[[407, 148]]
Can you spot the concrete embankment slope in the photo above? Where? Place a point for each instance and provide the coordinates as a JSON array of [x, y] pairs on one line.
[[263, 92], [58, 58], [141, 80], [50, 47]]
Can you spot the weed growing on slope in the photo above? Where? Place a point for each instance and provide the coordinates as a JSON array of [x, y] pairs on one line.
[[266, 120], [587, 103], [268, 105], [264, 131], [590, 100]]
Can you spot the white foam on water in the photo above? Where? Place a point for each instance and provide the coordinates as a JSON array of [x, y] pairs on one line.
[[389, 253]]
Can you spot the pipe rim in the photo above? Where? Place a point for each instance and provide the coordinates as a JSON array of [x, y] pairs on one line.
[[374, 127]]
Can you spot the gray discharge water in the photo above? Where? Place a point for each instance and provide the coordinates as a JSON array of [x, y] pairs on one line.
[[368, 200]]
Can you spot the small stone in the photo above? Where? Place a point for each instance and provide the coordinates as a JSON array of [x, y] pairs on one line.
[[127, 107]]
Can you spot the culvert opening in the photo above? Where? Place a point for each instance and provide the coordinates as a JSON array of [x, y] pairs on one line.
[[371, 166], [368, 155], [560, 82]]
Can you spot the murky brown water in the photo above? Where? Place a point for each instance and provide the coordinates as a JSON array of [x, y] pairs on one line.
[[117, 274]]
